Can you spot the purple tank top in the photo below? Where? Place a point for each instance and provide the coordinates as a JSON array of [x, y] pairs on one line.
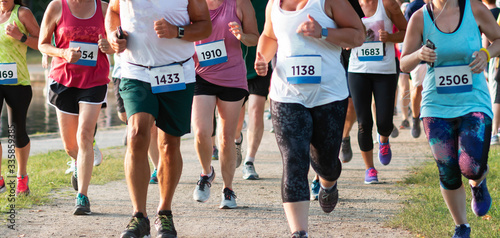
[[231, 73]]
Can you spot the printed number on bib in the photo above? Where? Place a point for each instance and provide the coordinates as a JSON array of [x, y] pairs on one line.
[[167, 78], [453, 79], [89, 52], [371, 51], [8, 73], [301, 69], [211, 53]]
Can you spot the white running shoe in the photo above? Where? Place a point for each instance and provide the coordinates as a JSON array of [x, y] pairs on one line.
[[228, 199], [97, 155], [202, 191], [72, 165]]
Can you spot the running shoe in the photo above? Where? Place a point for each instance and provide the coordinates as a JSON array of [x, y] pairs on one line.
[[138, 227], [249, 171], [345, 150], [461, 231], [272, 129], [202, 191], [481, 199], [315, 189], [74, 180], [371, 176], [215, 153], [22, 185], [72, 166], [2, 185], [384, 152], [328, 199], [228, 199], [300, 234], [165, 225], [124, 140], [239, 155], [154, 177], [415, 130], [82, 205], [494, 140], [395, 131], [405, 124], [97, 155]]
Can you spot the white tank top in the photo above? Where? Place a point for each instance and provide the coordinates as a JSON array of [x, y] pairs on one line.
[[333, 86], [387, 65], [143, 45]]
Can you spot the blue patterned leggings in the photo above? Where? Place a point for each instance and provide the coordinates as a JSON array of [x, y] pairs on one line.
[[460, 146], [308, 135]]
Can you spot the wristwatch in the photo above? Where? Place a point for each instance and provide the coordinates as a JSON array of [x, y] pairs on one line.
[[324, 33], [24, 38], [180, 33]]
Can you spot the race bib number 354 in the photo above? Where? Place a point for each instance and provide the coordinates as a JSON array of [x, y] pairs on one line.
[[8, 73], [302, 69], [453, 79], [89, 52]]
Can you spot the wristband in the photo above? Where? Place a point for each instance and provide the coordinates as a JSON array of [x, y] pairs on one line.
[[487, 53], [23, 38]]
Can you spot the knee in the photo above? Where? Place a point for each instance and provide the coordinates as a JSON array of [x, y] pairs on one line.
[[138, 137], [450, 182], [71, 149], [474, 172]]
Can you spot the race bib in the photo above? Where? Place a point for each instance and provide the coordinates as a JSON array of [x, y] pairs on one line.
[[302, 69], [453, 79], [89, 52], [371, 51], [8, 73], [211, 53], [167, 78]]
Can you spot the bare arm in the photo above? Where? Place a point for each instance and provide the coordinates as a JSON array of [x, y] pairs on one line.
[[268, 44], [201, 25], [394, 13], [26, 17], [488, 25], [111, 22], [413, 51], [249, 35], [350, 32]]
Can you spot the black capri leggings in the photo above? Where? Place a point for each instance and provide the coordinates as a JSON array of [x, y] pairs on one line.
[[18, 99], [383, 88], [308, 135]]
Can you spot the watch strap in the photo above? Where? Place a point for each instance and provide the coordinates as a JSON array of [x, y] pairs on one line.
[[24, 38]]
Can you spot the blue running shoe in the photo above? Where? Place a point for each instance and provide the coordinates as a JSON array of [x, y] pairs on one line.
[[154, 177], [384, 152], [371, 176], [461, 231], [481, 199], [315, 189]]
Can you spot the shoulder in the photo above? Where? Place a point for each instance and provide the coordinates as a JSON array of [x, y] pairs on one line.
[[391, 5], [24, 11], [479, 8], [55, 6]]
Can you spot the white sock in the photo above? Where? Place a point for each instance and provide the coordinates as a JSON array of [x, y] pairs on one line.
[[210, 174], [249, 159]]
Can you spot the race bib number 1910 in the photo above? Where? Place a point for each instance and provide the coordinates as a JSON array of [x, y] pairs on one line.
[[8, 73], [453, 79], [89, 52], [211, 53]]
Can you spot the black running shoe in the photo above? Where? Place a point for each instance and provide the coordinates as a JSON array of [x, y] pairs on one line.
[[328, 200], [165, 225], [82, 205], [138, 227], [300, 234]]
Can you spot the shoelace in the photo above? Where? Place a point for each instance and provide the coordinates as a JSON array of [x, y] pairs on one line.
[[228, 194], [204, 181], [133, 224], [251, 169], [372, 173], [476, 191], [165, 222], [22, 184], [83, 201], [384, 149]]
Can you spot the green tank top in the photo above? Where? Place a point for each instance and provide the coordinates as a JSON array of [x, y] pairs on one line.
[[14, 51], [249, 52]]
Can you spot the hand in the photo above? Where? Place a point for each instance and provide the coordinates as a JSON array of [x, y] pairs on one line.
[[165, 30], [13, 31], [479, 62], [72, 54], [310, 28], [104, 45], [383, 35], [260, 65], [427, 54], [118, 45], [235, 28]]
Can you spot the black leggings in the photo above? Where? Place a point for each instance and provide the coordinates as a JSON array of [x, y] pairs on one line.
[[383, 88], [18, 99], [308, 135]]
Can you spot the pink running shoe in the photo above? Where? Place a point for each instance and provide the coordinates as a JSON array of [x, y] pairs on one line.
[[22, 185]]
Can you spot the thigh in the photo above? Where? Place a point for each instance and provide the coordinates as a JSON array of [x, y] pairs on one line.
[[203, 113], [138, 97], [384, 93], [229, 112], [18, 99], [361, 88]]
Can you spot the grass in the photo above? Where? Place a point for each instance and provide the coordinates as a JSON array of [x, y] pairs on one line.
[[46, 175], [425, 212]]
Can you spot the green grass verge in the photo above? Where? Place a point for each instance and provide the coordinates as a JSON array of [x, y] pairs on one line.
[[425, 212], [46, 175]]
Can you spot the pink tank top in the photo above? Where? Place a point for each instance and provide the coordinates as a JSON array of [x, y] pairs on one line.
[[73, 29], [233, 72]]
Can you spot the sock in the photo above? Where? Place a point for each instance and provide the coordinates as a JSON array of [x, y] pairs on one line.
[[238, 140], [467, 225], [249, 159], [329, 189], [165, 212], [139, 215], [210, 174]]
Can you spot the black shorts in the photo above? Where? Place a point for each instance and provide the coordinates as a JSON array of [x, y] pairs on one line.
[[119, 99], [259, 85], [67, 99], [203, 87]]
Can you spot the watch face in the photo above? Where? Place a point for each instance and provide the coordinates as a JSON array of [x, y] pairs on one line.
[[324, 32]]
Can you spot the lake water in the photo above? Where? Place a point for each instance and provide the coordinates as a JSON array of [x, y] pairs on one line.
[[42, 117]]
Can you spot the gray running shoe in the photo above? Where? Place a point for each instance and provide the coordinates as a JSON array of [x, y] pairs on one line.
[[202, 191], [228, 199], [165, 226], [138, 227], [74, 180], [82, 205], [249, 171], [328, 200], [415, 130], [345, 150], [239, 155]]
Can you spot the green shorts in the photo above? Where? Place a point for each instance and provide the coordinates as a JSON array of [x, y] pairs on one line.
[[172, 110]]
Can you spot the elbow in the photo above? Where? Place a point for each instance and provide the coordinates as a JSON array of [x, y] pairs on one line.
[[208, 30], [358, 39]]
